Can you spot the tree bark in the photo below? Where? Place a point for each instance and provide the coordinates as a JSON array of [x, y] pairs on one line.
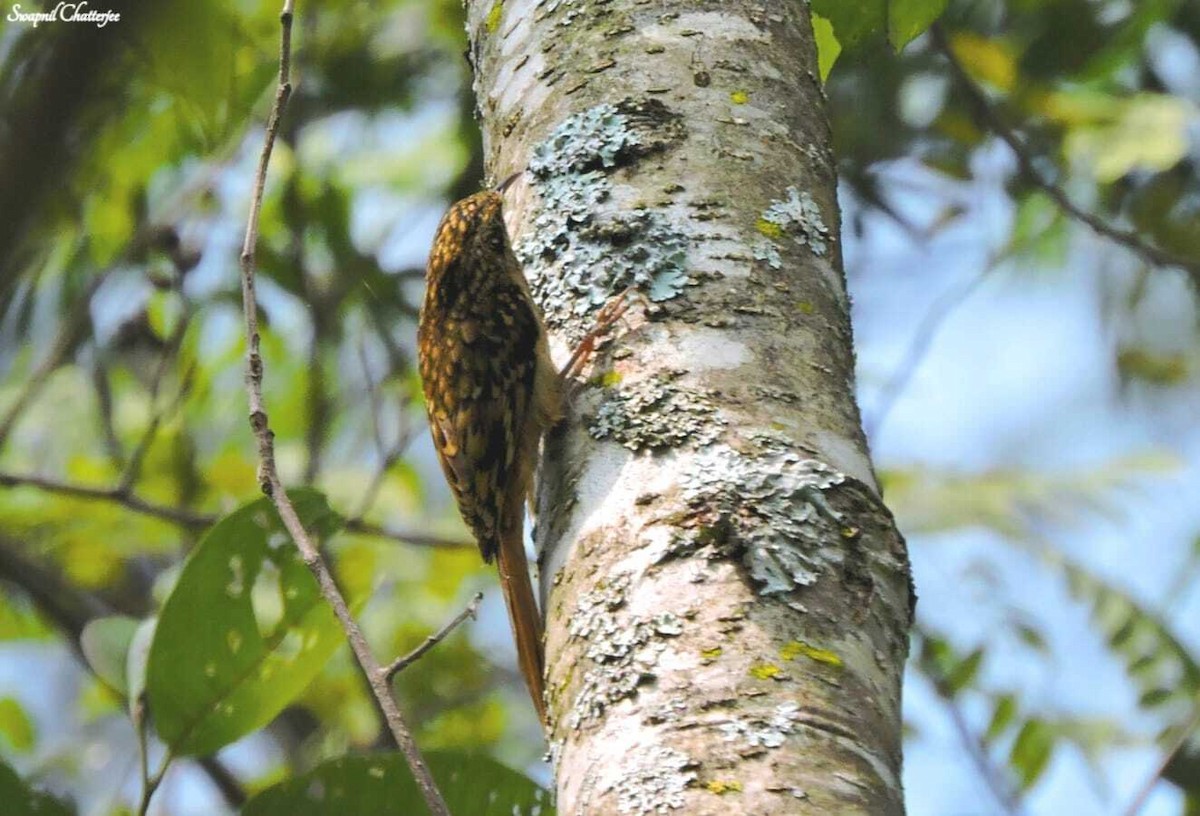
[[727, 597]]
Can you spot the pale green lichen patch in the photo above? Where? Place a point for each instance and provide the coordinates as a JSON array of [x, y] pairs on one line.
[[594, 138], [576, 254], [570, 11], [773, 506], [653, 780], [799, 216], [768, 251], [621, 649], [653, 414], [768, 731]]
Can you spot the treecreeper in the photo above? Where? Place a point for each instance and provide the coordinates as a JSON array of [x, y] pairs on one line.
[[491, 390]]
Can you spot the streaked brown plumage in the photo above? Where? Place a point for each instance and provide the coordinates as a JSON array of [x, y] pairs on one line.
[[490, 391]]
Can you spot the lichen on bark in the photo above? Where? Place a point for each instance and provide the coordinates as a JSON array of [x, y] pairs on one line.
[[582, 250]]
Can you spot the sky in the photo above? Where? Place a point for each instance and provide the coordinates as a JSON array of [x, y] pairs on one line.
[[1020, 374]]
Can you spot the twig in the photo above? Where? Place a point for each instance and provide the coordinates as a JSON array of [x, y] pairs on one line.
[[133, 467], [69, 336], [198, 521], [362, 527], [979, 758], [104, 407], [1189, 727], [928, 329], [437, 637], [371, 492], [224, 781], [976, 751], [150, 783], [389, 455], [176, 515], [137, 713], [317, 401], [990, 120], [269, 476]]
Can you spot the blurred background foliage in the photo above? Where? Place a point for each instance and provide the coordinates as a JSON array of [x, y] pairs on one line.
[[1022, 222]]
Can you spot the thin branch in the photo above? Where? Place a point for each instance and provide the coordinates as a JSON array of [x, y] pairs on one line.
[[269, 475], [104, 407], [371, 492], [224, 781], [68, 338], [1000, 789], [373, 398], [363, 527], [191, 520], [317, 400], [176, 515], [133, 468], [970, 741], [137, 713], [150, 782], [388, 455], [974, 746], [1185, 733], [437, 637], [918, 348], [150, 785], [989, 119]]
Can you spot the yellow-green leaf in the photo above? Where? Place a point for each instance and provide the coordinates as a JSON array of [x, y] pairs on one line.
[[828, 47], [1149, 132], [15, 726]]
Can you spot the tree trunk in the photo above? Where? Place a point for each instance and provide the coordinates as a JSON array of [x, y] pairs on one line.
[[727, 597]]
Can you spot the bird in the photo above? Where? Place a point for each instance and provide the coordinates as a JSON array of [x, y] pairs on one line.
[[491, 391]]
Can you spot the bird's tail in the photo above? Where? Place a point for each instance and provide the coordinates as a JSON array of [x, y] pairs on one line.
[[523, 614]]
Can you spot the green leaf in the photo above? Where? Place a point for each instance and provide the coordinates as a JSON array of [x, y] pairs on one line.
[[1031, 751], [907, 19], [15, 726], [381, 785], [21, 800], [901, 20], [963, 674], [1163, 369], [18, 620], [105, 644], [1154, 698], [1040, 229], [1162, 668], [828, 47], [1004, 711], [244, 630], [853, 22]]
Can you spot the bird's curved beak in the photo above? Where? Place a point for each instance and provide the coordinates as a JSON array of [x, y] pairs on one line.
[[504, 185]]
